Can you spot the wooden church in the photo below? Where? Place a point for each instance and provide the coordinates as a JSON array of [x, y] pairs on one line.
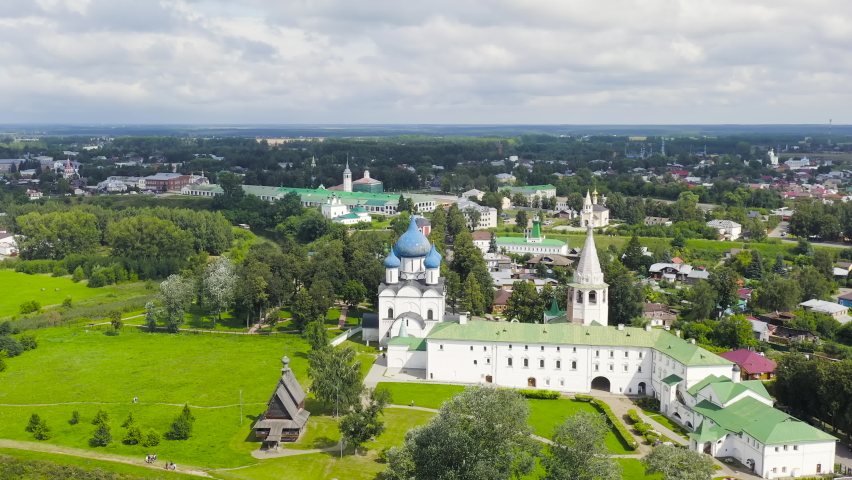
[[285, 416]]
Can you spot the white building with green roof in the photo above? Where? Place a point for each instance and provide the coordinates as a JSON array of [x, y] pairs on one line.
[[533, 243]]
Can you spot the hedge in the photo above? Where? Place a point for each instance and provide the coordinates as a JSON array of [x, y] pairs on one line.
[[583, 398], [634, 416], [540, 394], [620, 429]]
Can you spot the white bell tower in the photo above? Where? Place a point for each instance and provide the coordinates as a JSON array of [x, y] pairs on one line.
[[588, 296]]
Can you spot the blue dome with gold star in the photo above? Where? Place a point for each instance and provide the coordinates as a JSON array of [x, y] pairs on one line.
[[433, 260], [392, 261], [412, 243]]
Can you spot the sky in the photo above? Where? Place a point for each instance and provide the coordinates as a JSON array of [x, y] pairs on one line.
[[435, 61]]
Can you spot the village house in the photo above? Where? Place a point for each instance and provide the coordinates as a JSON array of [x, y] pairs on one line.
[[728, 230], [658, 314], [753, 366], [673, 272]]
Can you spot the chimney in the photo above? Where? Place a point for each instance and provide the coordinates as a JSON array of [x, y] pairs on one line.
[[667, 328], [621, 326], [648, 328], [677, 333], [692, 341], [463, 318]]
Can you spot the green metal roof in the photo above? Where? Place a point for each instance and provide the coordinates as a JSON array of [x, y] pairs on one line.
[[376, 203], [315, 194], [726, 390], [764, 423], [417, 344], [573, 334], [348, 216], [707, 433], [672, 380], [693, 390], [523, 241]]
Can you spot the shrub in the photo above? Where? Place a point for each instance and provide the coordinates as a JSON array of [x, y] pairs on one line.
[[97, 280], [67, 302], [583, 398], [6, 328], [78, 275], [133, 436], [28, 342], [541, 394], [11, 345], [102, 436], [620, 429], [151, 438], [101, 418], [59, 271], [30, 307], [649, 403], [129, 422], [75, 418], [634, 416], [3, 356], [38, 427]]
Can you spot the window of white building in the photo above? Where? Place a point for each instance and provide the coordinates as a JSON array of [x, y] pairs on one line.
[[597, 368], [541, 363], [625, 368], [558, 364], [526, 362], [509, 362]]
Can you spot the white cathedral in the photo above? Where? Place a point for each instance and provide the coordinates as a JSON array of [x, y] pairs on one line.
[[580, 352], [594, 214]]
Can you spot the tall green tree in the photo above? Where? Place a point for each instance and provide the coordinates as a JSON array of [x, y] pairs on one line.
[[304, 309], [454, 289], [778, 268], [354, 293], [703, 300], [734, 332], [364, 422], [632, 255], [823, 260], [480, 433], [579, 450], [456, 222], [755, 267], [676, 463], [724, 282], [812, 283], [335, 377], [776, 293], [145, 236], [56, 235], [316, 333], [625, 297], [472, 299], [524, 303], [175, 296], [521, 220], [439, 230]]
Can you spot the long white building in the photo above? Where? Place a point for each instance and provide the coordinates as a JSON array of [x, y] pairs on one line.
[[579, 352]]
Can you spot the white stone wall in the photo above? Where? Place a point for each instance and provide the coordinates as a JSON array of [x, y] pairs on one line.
[[399, 356], [404, 301], [804, 459], [531, 248]]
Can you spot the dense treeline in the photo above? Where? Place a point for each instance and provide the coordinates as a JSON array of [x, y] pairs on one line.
[[829, 384], [826, 222]]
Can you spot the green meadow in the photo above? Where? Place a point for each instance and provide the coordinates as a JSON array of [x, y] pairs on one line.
[[18, 288]]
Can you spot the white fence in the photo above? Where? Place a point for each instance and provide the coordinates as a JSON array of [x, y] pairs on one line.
[[343, 336]]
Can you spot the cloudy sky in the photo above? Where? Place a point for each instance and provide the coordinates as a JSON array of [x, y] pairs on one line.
[[435, 61]]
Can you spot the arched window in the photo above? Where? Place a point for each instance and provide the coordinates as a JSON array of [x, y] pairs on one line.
[[593, 297], [390, 313], [574, 365], [541, 364], [429, 314], [579, 296]]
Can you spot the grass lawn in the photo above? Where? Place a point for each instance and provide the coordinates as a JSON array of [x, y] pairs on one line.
[[321, 432], [88, 464], [632, 469], [424, 395], [546, 414], [18, 288], [662, 420], [362, 466], [197, 317]]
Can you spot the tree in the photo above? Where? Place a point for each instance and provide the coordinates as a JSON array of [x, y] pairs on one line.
[[115, 320], [78, 275], [102, 436], [101, 418], [38, 427], [734, 332], [3, 357], [316, 334], [151, 438], [75, 418], [521, 220], [456, 222], [454, 289], [152, 315], [480, 433], [363, 422], [812, 283], [492, 244], [400, 223], [182, 426], [439, 229], [219, 286], [679, 241], [133, 435], [579, 450], [632, 255], [676, 463], [145, 236], [776, 293], [624, 299], [472, 300], [232, 191], [336, 376], [56, 235], [724, 282], [304, 309], [829, 227], [755, 267], [175, 295], [354, 293], [524, 303], [823, 260], [128, 421], [703, 300], [778, 268]]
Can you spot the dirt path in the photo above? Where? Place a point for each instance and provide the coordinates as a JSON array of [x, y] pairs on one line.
[[78, 452]]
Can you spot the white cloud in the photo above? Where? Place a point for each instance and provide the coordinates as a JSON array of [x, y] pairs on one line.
[[504, 61]]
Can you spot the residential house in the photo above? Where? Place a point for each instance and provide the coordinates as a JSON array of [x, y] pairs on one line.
[[497, 262], [501, 298], [473, 193], [845, 300], [487, 215], [753, 366], [672, 272], [424, 225], [33, 194], [549, 260], [664, 221], [760, 329], [167, 182], [8, 243], [728, 230], [835, 310], [658, 314]]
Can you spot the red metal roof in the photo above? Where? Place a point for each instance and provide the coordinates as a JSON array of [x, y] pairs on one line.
[[750, 361]]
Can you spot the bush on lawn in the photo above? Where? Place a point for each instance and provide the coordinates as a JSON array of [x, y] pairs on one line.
[[620, 429], [540, 394], [583, 398], [102, 436], [38, 427], [75, 418], [28, 342], [151, 438], [133, 436], [101, 418], [31, 306], [634, 416], [182, 426], [11, 345], [649, 403]]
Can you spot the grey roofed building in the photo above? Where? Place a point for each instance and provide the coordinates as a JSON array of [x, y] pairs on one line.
[[285, 416]]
